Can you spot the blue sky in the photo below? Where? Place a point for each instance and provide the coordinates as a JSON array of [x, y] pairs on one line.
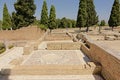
[[64, 8]]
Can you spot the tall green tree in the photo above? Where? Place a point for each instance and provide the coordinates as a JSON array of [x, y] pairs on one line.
[[24, 15], [102, 23], [114, 19], [58, 23], [6, 18], [69, 23], [52, 18], [73, 23], [92, 18], [44, 14], [0, 25], [63, 23], [82, 14]]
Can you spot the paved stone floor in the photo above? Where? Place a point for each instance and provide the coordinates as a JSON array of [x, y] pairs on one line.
[[113, 45], [56, 57], [52, 77], [42, 56], [15, 53]]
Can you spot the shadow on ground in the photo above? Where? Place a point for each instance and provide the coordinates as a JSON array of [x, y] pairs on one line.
[[4, 74]]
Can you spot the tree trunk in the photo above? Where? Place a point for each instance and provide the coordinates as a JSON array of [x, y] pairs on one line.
[[112, 28], [79, 29], [50, 31], [87, 29], [100, 29], [11, 29]]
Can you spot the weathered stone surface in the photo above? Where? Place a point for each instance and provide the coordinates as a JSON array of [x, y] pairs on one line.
[[64, 46], [79, 36], [110, 60], [54, 46], [26, 33], [52, 77], [110, 38]]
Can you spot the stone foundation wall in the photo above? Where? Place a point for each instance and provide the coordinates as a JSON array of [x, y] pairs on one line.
[[109, 59], [59, 36], [64, 46], [26, 33], [87, 69], [31, 46]]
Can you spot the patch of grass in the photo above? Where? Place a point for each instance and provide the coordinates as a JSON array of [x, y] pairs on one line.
[[43, 27], [2, 48], [10, 46]]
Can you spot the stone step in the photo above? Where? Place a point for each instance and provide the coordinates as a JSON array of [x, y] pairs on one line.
[[52, 70], [52, 77]]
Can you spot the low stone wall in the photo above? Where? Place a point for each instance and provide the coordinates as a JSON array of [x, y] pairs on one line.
[[87, 69], [31, 46], [64, 46], [26, 33], [59, 36], [109, 59]]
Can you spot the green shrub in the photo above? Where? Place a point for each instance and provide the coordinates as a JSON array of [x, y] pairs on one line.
[[2, 48], [43, 27], [10, 46], [2, 45]]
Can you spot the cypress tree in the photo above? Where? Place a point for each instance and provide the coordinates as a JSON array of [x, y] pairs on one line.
[[44, 14], [82, 14], [0, 25], [23, 17], [6, 18], [92, 18], [52, 18], [114, 19], [58, 21]]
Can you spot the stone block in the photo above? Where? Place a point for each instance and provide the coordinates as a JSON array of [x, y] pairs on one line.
[[54, 46]]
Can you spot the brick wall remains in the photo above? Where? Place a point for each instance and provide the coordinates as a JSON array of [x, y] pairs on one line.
[[26, 33], [64, 46], [109, 59]]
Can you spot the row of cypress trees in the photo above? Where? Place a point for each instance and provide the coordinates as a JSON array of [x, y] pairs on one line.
[[25, 10], [24, 15], [50, 21], [87, 15]]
